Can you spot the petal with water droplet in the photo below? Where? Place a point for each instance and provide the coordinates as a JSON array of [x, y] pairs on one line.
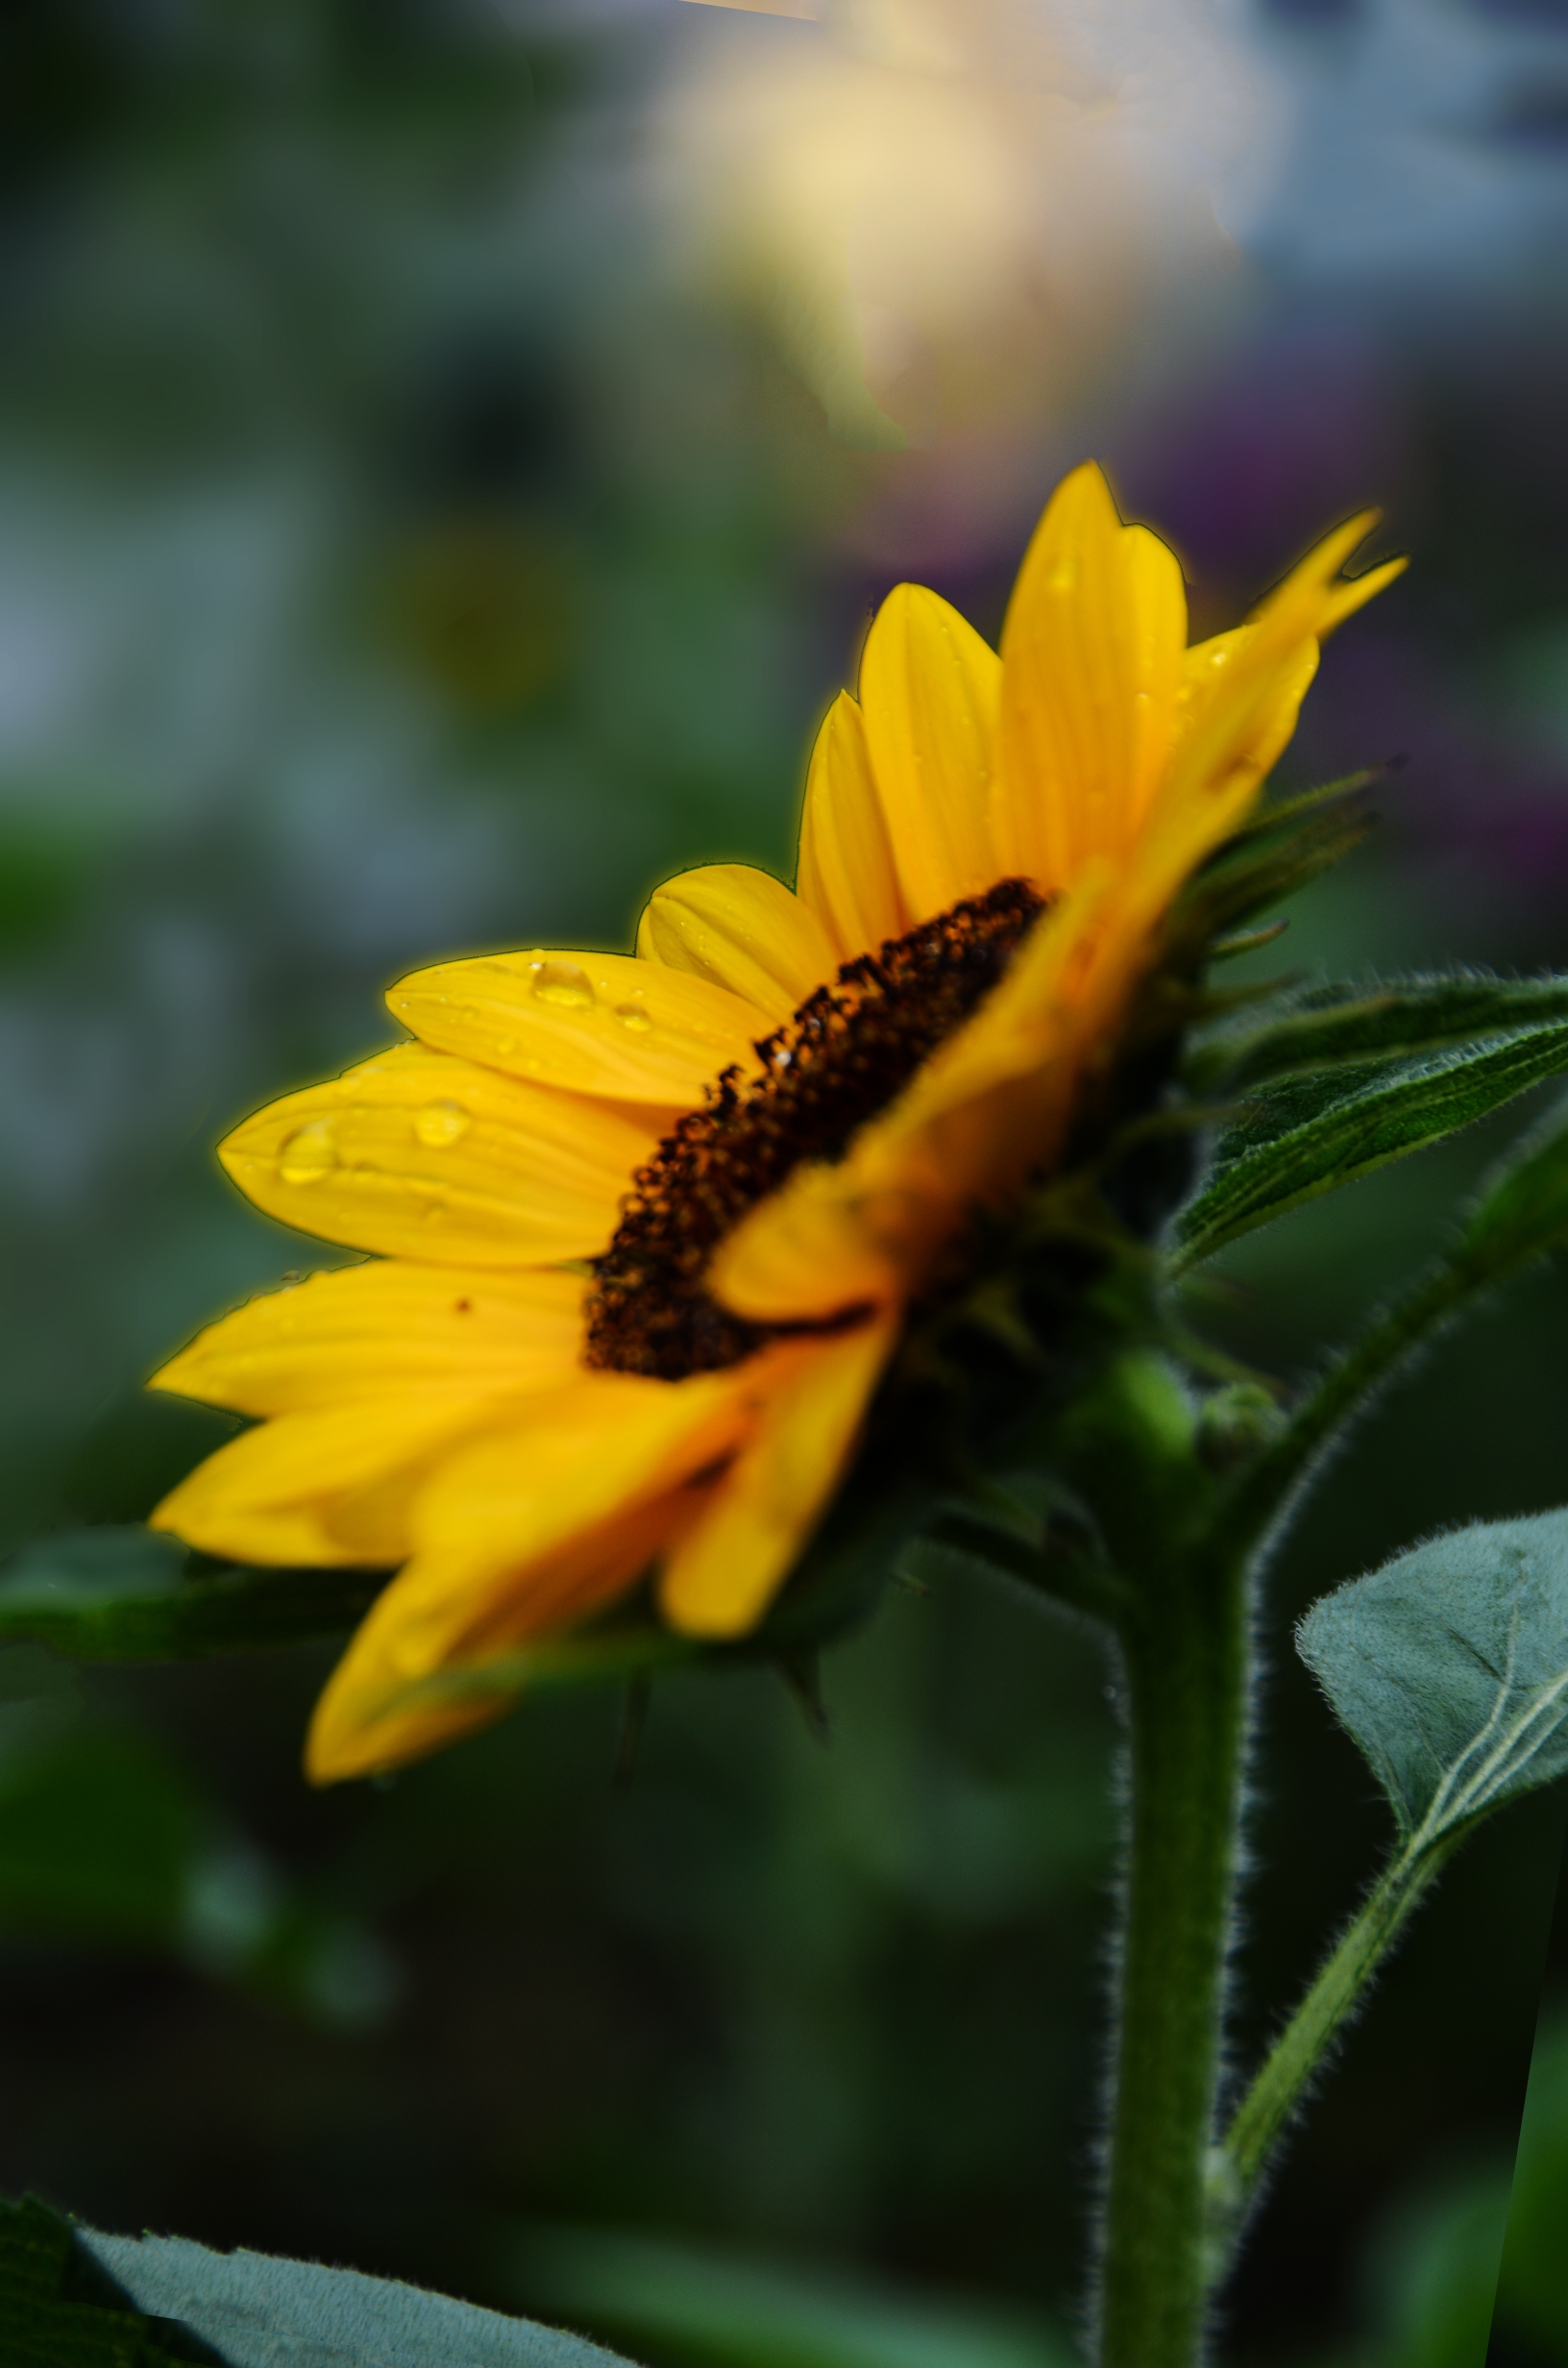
[[556, 1020], [531, 1178]]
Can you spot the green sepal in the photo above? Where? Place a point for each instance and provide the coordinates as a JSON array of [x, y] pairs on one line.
[[966, 1542], [1284, 848], [129, 1594], [1311, 1130], [1449, 1667]]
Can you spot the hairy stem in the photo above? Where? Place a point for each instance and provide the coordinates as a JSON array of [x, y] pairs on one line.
[[1265, 1489], [1280, 2087], [1186, 1662]]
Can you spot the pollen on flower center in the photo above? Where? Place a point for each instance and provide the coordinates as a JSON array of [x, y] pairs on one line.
[[847, 1053]]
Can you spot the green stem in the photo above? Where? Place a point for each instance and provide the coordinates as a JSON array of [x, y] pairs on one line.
[[1273, 2100], [1186, 1662], [1267, 1487]]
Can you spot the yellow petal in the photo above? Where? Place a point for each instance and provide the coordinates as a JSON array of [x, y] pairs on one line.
[[721, 1574], [848, 875], [313, 1488], [598, 1024], [372, 1715], [929, 688], [532, 1523], [391, 1329], [811, 1251], [741, 930], [1242, 690], [989, 1105], [1091, 661], [566, 1463], [434, 1158]]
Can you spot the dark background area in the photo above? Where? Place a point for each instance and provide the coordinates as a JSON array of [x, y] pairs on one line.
[[399, 555]]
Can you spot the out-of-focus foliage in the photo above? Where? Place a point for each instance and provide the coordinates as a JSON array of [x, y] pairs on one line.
[[108, 1837], [710, 2306], [401, 554], [1531, 2325]]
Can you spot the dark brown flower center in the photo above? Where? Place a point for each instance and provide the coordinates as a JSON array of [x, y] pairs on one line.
[[848, 1051]]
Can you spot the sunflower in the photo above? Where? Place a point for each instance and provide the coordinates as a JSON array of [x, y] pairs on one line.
[[650, 1225]]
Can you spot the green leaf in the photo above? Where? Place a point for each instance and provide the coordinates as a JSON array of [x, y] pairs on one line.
[[72, 2298], [700, 2305], [1324, 1027], [1449, 1667], [127, 1594], [1313, 1131]]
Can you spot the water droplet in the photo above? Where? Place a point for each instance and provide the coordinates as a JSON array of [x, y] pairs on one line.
[[441, 1122], [633, 1016], [308, 1153], [1064, 576], [563, 984]]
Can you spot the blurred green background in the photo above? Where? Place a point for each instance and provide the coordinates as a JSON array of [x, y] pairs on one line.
[[403, 551]]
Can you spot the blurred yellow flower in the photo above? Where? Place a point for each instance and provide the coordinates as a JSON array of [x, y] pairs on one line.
[[649, 1224], [956, 211]]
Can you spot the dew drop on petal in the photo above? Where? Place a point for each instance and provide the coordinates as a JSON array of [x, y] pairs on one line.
[[308, 1153], [1064, 576], [563, 984], [441, 1122], [634, 1016]]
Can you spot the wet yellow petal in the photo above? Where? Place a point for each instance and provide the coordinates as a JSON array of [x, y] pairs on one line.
[[847, 872], [599, 1023], [741, 930], [929, 688], [531, 1523], [391, 1329], [720, 1576], [1091, 654], [313, 1488], [418, 1153]]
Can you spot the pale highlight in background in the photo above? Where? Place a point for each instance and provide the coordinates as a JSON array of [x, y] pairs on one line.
[[955, 212], [766, 7]]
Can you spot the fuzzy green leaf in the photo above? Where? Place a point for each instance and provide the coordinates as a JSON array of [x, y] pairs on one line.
[[1449, 1666], [71, 2298], [1324, 1027], [125, 1595], [1313, 1131]]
